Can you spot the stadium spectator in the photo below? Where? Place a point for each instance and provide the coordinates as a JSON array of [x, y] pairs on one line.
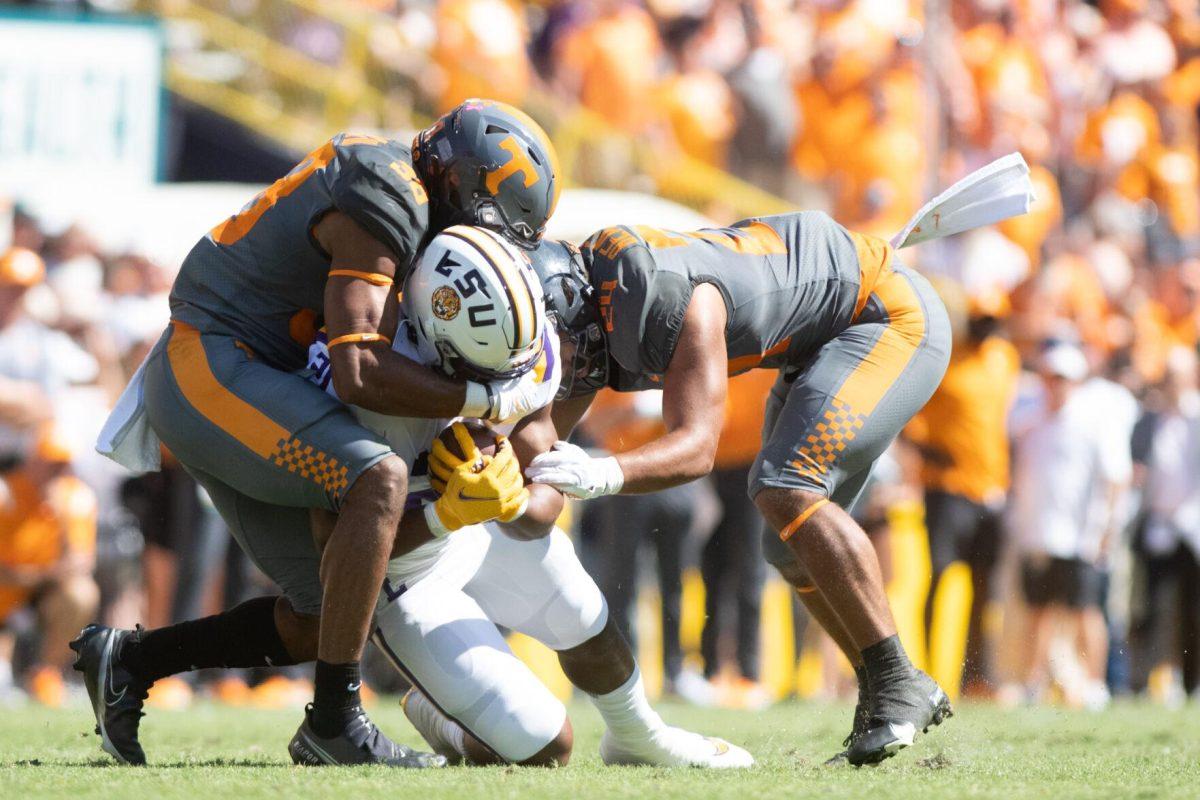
[[731, 562], [47, 556], [962, 434], [480, 51], [611, 63], [1064, 461], [696, 99], [39, 363], [625, 524], [1171, 534]]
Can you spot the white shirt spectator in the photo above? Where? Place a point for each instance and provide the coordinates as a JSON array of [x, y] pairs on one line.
[[1064, 461], [31, 351]]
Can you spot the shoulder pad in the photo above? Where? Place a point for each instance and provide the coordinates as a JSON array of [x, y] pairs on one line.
[[376, 186]]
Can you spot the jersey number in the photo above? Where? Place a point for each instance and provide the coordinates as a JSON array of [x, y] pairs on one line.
[[409, 176], [233, 229]]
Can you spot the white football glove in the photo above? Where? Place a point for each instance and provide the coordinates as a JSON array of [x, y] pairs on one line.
[[573, 472], [510, 400]]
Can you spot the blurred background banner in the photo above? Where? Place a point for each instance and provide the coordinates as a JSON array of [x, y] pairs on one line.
[[79, 95]]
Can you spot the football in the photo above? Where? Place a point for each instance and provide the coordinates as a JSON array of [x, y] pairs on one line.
[[483, 436]]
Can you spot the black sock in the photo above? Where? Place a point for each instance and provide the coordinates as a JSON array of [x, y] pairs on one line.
[[886, 661], [864, 684], [336, 699], [244, 636]]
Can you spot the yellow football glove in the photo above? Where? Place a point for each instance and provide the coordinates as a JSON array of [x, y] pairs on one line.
[[442, 462], [496, 492]]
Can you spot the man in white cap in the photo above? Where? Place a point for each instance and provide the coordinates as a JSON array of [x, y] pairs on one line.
[[1064, 460]]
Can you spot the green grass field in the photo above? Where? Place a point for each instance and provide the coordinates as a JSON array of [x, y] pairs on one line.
[[1131, 751]]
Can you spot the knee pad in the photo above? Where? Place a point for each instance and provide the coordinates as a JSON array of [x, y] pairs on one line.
[[540, 589], [518, 724], [578, 610]]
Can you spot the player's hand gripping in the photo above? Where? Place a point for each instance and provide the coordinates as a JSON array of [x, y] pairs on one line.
[[474, 489], [573, 472]]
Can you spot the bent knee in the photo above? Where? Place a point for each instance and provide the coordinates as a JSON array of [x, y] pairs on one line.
[[780, 505], [557, 752], [386, 480]]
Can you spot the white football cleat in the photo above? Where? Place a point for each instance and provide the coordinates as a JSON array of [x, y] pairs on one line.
[[435, 727], [674, 747]]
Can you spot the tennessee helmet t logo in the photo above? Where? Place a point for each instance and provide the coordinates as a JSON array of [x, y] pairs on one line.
[[518, 163]]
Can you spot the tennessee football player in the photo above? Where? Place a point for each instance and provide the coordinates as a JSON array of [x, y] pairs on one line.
[[860, 342], [324, 245]]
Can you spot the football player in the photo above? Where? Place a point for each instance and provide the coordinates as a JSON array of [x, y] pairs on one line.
[[322, 245], [450, 584], [860, 342]]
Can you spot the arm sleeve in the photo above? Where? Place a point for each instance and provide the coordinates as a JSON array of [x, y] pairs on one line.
[[382, 200]]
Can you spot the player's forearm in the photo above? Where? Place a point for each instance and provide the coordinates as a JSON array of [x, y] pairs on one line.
[[381, 380], [545, 507], [412, 532], [678, 457]]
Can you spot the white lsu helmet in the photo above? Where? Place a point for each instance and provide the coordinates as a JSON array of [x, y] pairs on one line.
[[475, 305]]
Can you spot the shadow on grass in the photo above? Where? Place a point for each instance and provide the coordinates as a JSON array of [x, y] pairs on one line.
[[104, 763]]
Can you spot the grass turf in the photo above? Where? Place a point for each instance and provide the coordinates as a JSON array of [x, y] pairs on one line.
[[1131, 751]]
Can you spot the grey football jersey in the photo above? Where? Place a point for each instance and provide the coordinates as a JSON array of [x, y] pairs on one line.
[[790, 282], [260, 276]]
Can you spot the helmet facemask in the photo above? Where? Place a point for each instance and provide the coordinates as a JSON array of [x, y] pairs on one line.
[[587, 370]]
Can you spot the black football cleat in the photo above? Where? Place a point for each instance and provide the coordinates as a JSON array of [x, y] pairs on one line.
[[116, 694], [898, 711], [360, 743], [858, 729]]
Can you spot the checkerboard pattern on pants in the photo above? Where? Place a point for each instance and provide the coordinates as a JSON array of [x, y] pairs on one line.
[[838, 427], [311, 463]]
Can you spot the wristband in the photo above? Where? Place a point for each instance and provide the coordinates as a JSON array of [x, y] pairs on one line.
[[436, 526], [357, 338], [478, 404]]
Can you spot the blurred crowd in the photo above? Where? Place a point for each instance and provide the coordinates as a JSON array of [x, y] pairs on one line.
[[1057, 460], [1058, 466]]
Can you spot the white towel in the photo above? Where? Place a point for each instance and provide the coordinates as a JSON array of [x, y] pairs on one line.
[[127, 437], [988, 195]]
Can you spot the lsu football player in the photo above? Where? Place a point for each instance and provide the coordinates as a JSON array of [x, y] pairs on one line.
[[860, 343], [451, 583], [323, 245]]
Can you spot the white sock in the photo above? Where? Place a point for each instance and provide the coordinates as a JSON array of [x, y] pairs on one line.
[[6, 674], [626, 710]]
